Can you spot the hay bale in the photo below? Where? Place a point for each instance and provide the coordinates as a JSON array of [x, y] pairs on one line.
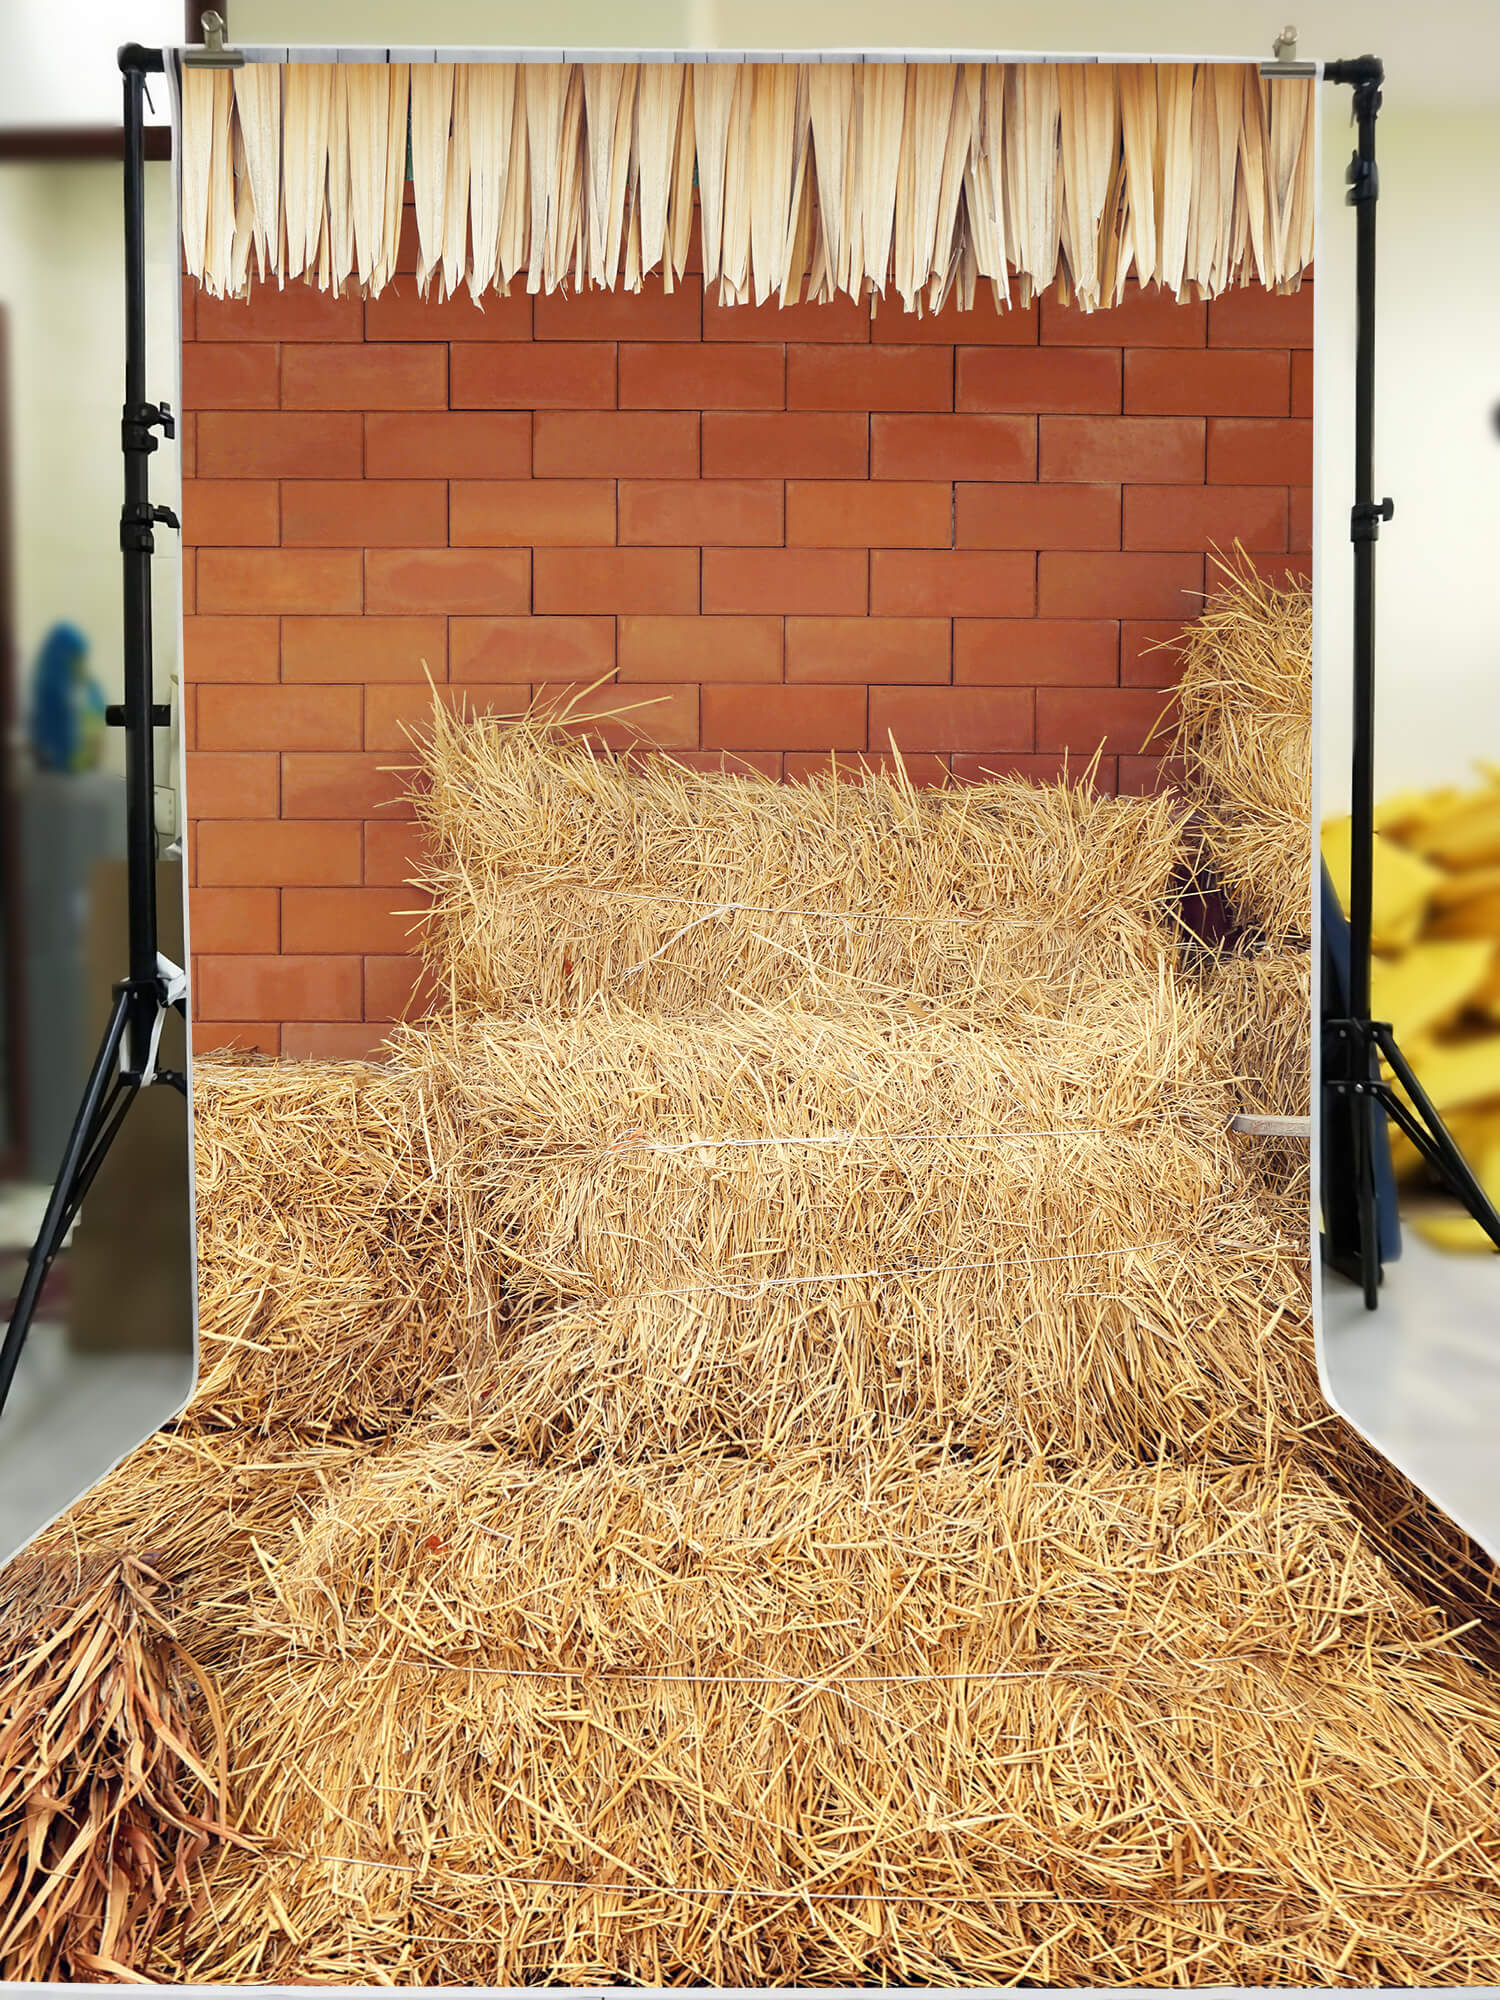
[[905, 1722], [559, 873], [1245, 736], [761, 1227], [112, 1779], [324, 1302], [1258, 1007]]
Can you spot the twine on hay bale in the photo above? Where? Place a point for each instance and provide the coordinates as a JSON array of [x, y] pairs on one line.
[[767, 1226], [112, 1775], [942, 1722], [558, 873], [1244, 733]]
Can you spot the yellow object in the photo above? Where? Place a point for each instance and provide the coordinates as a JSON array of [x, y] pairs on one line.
[[1451, 1229], [1458, 1073], [1429, 985], [1404, 884], [1479, 917], [1402, 812], [1466, 835]]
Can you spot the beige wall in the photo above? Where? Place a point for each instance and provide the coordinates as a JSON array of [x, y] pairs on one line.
[[60, 282]]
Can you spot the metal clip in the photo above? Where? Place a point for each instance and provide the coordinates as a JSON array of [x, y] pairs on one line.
[[214, 54], [1285, 61]]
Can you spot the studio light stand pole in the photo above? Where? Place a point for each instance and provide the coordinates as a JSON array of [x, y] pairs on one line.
[[1356, 1090], [126, 1062]]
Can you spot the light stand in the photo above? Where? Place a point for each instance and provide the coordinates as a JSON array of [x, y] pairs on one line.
[[1355, 1089], [126, 1062]]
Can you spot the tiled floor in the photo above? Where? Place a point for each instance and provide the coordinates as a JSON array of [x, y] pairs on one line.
[[1420, 1376]]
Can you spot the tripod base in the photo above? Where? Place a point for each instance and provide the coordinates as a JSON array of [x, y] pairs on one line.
[[1360, 1095], [108, 1095]]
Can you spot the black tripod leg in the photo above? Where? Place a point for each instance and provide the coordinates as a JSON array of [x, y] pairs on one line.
[[1435, 1141], [1362, 1110], [82, 1156]]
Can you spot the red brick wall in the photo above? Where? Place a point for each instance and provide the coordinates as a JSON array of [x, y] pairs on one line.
[[800, 532]]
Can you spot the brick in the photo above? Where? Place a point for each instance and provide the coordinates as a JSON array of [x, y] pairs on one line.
[[700, 649], [268, 580], [279, 718], [1202, 517], [395, 988], [230, 649], [364, 649], [951, 583], [220, 1037], [1260, 451], [1028, 515], [1035, 768], [339, 920], [728, 375], [284, 988], [806, 581], [873, 378], [592, 314], [187, 312], [230, 376], [949, 719], [1299, 533], [1035, 652], [1303, 366], [901, 650], [394, 709], [1250, 316], [477, 581], [659, 580], [394, 851], [230, 920], [332, 1041], [647, 712], [1039, 378], [233, 784], [785, 718], [1160, 449], [377, 513], [615, 444], [1140, 775], [815, 446], [229, 513], [345, 784], [1148, 655], [265, 853], [1217, 382], [389, 376], [401, 313], [1107, 585], [699, 513], [1148, 318], [984, 322], [292, 312], [1284, 572], [925, 769], [556, 376], [956, 447], [444, 444], [511, 649], [842, 320], [1080, 719], [187, 444], [869, 514], [272, 444], [531, 513]]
